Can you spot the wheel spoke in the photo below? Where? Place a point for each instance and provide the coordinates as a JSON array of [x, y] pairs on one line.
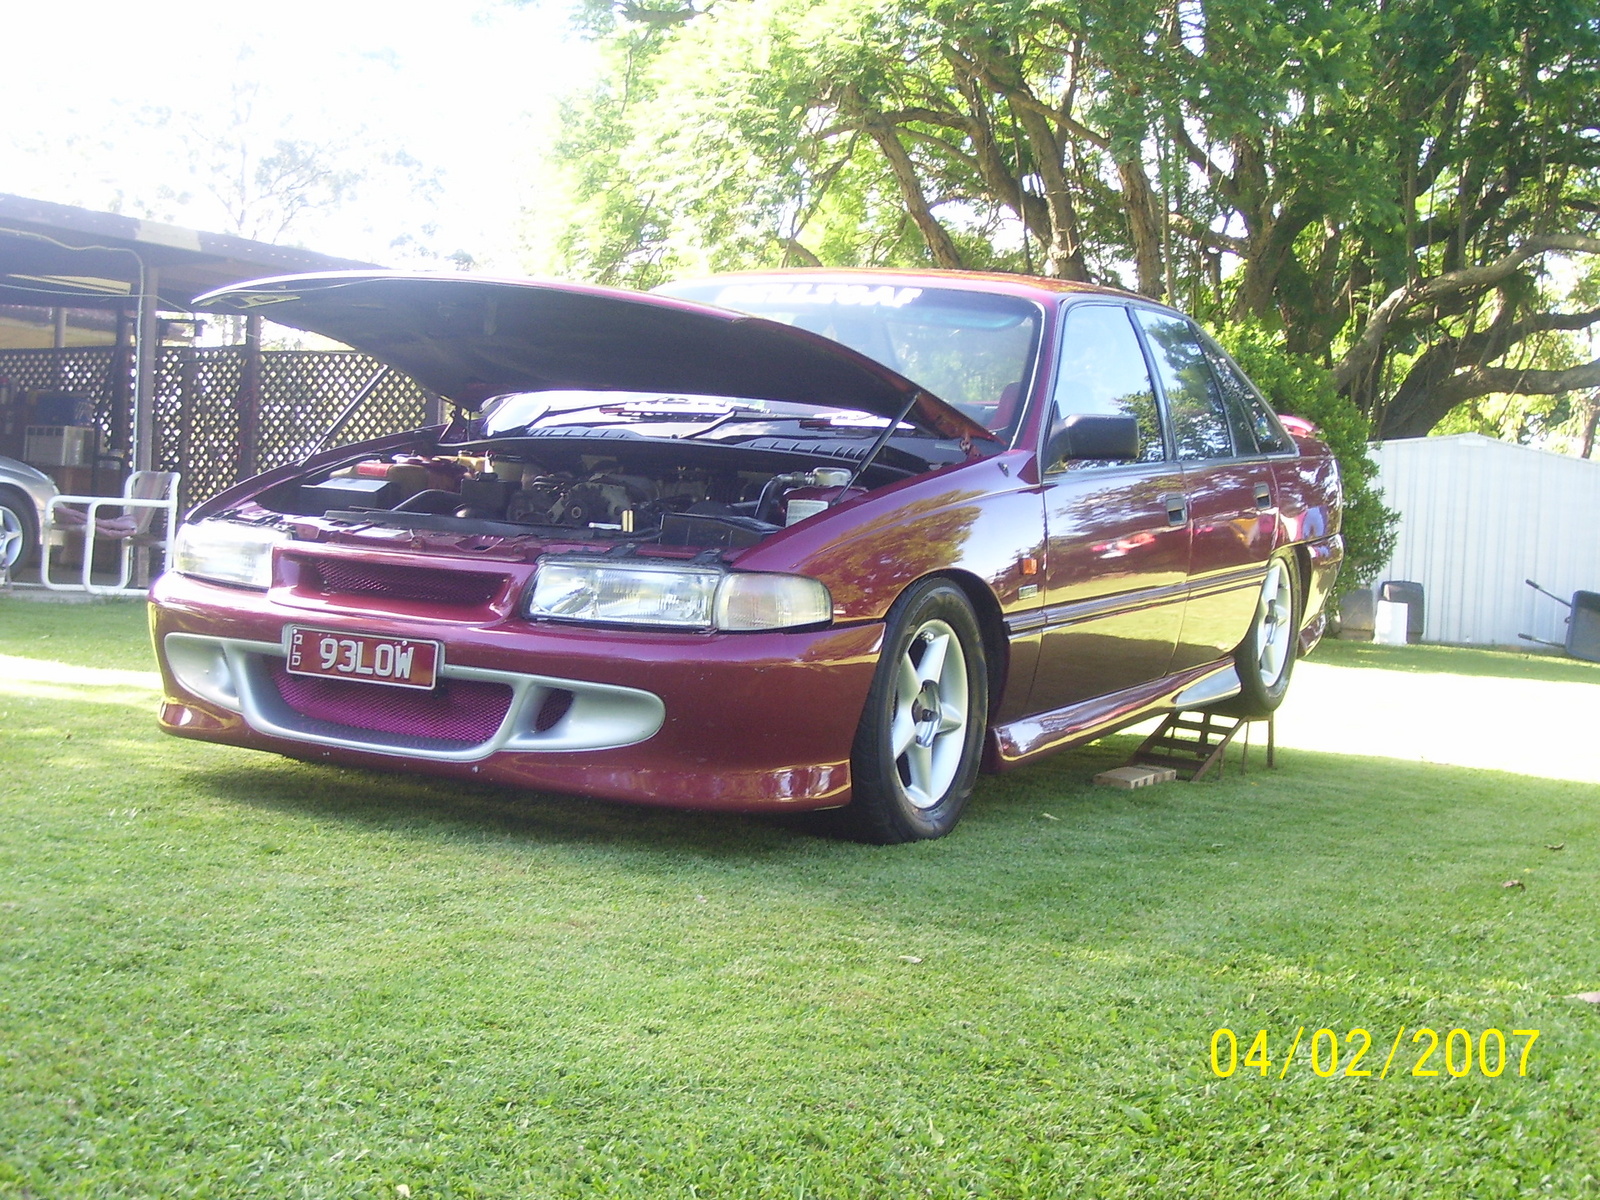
[[902, 732], [931, 668], [907, 685], [1269, 586], [919, 765], [1271, 662], [953, 715]]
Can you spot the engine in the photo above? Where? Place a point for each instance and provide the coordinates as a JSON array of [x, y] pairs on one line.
[[600, 497]]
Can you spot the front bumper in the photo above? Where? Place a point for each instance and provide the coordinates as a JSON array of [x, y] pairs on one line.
[[736, 722]]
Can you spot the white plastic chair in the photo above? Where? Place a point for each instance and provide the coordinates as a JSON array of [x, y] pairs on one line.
[[146, 494]]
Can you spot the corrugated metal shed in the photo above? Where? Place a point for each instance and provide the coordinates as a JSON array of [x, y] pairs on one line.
[[1477, 518]]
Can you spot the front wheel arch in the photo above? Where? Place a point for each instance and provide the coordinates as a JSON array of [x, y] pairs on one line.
[[991, 625]]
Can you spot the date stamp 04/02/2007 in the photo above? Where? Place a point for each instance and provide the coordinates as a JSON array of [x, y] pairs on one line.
[[1489, 1052]]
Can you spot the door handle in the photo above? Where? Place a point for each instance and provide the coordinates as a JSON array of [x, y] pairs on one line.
[[1177, 508], [1263, 496]]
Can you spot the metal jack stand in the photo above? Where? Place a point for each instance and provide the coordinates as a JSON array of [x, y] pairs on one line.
[[1191, 743]]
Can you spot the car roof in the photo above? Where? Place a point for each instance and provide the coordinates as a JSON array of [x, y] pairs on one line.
[[1033, 287]]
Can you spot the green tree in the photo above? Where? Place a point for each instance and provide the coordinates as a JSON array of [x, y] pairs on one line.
[[1385, 185]]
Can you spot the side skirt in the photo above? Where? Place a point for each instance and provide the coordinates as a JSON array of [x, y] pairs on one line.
[[1020, 741]]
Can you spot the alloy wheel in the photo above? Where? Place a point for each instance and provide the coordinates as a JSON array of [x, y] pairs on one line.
[[928, 731], [12, 537]]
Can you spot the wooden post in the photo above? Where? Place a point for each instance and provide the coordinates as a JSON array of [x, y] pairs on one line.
[[188, 413], [250, 397], [146, 362], [144, 375], [121, 397], [59, 342]]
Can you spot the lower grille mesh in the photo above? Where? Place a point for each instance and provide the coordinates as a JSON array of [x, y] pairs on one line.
[[465, 712]]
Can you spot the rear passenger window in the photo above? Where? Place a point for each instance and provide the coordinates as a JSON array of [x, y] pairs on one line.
[[1103, 372], [1194, 402], [1241, 396]]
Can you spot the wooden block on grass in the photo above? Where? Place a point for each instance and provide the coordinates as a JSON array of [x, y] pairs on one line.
[[1135, 777]]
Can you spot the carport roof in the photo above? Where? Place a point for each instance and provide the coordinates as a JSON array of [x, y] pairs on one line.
[[55, 255]]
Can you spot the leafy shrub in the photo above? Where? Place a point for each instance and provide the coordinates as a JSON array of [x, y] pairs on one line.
[[1293, 383]]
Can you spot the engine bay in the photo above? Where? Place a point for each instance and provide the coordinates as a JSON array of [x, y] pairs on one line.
[[726, 499]]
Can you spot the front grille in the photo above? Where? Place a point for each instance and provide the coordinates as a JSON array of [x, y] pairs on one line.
[[459, 712], [430, 585]]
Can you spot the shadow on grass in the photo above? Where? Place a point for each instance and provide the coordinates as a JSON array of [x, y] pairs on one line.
[[1456, 660], [453, 810], [1055, 800], [1345, 854], [1329, 866]]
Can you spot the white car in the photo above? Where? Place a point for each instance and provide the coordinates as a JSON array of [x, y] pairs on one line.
[[24, 493]]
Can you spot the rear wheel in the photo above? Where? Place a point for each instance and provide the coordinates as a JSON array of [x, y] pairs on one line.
[[1265, 659], [917, 749], [17, 535]]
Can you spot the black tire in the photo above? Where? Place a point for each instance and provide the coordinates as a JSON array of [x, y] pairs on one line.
[[18, 536], [918, 790], [1265, 659]]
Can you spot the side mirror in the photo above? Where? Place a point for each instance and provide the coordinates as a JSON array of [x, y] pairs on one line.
[[1095, 436]]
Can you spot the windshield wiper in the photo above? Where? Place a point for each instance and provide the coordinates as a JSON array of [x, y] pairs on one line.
[[717, 424]]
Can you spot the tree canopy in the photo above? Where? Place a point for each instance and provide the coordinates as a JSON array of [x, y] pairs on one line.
[[1385, 187]]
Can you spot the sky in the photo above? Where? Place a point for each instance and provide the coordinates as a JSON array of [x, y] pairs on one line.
[[122, 106]]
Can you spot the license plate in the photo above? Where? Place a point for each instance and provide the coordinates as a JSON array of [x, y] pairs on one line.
[[396, 662]]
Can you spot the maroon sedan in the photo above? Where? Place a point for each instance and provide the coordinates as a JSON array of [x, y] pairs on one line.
[[714, 548]]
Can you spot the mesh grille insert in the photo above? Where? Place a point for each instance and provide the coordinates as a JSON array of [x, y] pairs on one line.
[[468, 589], [465, 712]]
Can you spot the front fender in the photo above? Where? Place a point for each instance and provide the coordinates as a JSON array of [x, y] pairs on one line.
[[976, 518]]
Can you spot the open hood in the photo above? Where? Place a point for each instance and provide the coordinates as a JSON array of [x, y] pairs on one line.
[[468, 338]]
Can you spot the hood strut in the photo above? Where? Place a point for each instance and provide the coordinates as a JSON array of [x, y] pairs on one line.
[[882, 439]]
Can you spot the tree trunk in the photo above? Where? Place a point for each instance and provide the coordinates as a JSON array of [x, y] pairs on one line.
[[793, 249], [905, 174], [1144, 223], [1439, 381], [1064, 251]]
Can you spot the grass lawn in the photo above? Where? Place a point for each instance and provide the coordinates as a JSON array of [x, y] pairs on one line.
[[1459, 660], [224, 974], [111, 633]]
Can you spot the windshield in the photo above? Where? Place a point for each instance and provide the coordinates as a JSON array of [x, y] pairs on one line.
[[973, 349]]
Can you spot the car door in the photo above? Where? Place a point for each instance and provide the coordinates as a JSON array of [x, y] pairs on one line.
[[1117, 539], [1230, 488]]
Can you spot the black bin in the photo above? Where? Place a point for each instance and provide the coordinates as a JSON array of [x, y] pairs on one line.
[[1356, 614], [1583, 634]]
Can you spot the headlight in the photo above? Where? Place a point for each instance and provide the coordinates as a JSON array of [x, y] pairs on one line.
[[673, 594], [753, 601], [227, 552]]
